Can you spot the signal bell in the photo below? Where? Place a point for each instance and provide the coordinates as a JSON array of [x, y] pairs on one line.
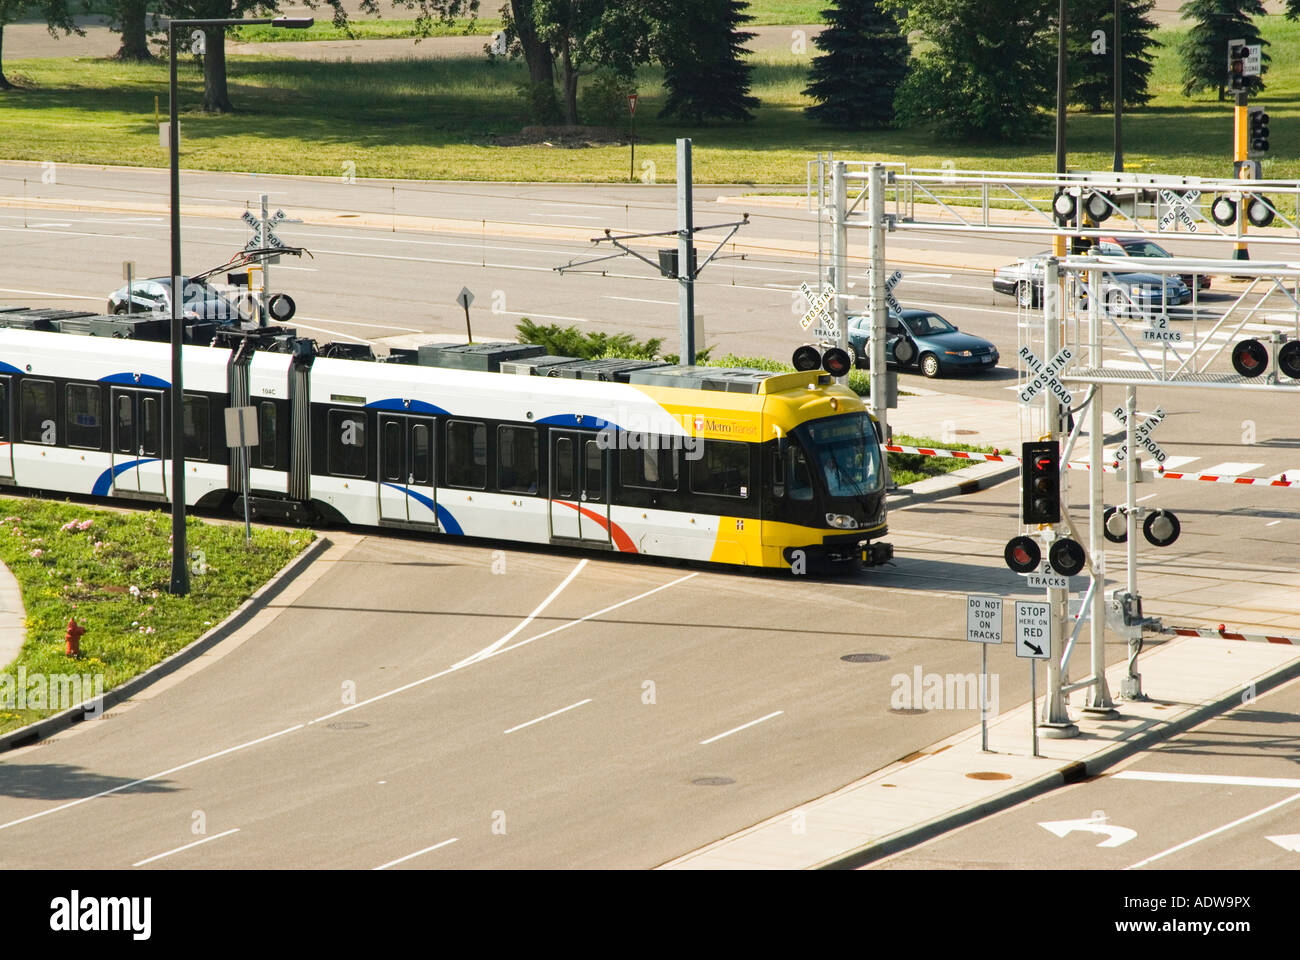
[[1022, 554]]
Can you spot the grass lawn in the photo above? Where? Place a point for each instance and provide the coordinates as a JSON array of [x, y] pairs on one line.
[[113, 576], [434, 119]]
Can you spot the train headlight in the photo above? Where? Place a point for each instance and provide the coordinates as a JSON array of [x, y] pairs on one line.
[[841, 521]]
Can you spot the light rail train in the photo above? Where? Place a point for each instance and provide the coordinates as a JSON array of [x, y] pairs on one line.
[[493, 441]]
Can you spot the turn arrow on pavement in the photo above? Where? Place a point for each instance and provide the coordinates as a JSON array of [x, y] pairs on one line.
[[1115, 835]]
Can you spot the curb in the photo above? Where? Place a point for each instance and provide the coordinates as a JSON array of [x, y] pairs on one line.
[[959, 482], [35, 732], [1072, 772]]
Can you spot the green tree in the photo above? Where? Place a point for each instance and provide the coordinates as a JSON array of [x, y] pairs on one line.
[[1205, 48], [131, 19], [702, 50], [1092, 56], [864, 59], [56, 13], [986, 71], [587, 35]]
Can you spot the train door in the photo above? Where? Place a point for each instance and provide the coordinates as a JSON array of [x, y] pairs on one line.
[[6, 436], [406, 491], [138, 465], [579, 504]]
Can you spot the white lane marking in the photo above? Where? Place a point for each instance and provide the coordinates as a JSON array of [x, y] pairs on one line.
[[409, 856], [357, 323], [285, 266], [569, 216], [333, 333], [553, 713], [1290, 783], [75, 233], [669, 303], [1273, 523], [1232, 468], [496, 645], [46, 293], [513, 646], [743, 726], [154, 776], [1147, 497], [544, 316], [159, 856], [1205, 836], [51, 224]]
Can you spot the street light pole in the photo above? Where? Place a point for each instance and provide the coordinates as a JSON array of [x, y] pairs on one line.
[[180, 579]]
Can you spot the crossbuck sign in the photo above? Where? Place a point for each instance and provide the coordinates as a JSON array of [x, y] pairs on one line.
[[819, 317], [1142, 435], [1044, 375], [259, 241], [1179, 209]]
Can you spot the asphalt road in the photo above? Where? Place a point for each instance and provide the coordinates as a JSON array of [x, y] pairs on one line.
[[1223, 796]]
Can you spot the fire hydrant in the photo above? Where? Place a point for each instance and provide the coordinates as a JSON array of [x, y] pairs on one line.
[[72, 638]]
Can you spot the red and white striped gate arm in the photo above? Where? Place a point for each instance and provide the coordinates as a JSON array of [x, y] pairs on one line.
[[1224, 634]]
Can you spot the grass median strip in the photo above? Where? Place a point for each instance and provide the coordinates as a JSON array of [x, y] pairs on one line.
[[111, 570]]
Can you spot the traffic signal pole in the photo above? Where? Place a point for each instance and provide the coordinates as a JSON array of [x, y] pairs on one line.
[[1240, 151]]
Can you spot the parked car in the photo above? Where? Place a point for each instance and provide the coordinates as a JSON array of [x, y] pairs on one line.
[[924, 339], [1121, 291], [1138, 247], [203, 301]]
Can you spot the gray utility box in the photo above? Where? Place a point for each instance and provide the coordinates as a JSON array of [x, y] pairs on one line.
[[534, 366], [724, 379], [484, 357], [610, 371], [123, 327]]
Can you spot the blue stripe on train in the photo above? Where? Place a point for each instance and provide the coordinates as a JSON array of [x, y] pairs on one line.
[[136, 380], [105, 479], [399, 405], [445, 520]]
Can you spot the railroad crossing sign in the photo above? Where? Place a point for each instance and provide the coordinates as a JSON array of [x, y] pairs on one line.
[[1045, 576], [1033, 629], [1179, 209], [890, 282], [263, 230], [1142, 435], [1160, 332], [1044, 376], [819, 316], [983, 618]]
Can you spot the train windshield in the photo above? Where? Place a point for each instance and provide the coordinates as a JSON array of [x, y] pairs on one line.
[[844, 452]]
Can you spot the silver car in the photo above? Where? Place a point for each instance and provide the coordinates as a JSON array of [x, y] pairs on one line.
[[1123, 293]]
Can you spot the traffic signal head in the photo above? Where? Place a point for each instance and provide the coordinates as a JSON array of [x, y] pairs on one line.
[[1040, 480], [1257, 130]]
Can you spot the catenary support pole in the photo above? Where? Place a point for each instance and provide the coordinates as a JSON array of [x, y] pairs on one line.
[[685, 245], [180, 578], [839, 253], [879, 309]]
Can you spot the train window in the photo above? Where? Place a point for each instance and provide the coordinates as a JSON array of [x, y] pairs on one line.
[[421, 454], [517, 459], [85, 426], [798, 476], [267, 438], [125, 424], [39, 411], [649, 462], [197, 428], [347, 443], [721, 468], [391, 465], [150, 426], [466, 454], [563, 469], [4, 408], [593, 479]]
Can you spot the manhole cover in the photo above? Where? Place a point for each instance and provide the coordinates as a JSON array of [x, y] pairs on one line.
[[712, 781], [966, 433], [347, 725], [863, 657], [908, 711], [987, 775]]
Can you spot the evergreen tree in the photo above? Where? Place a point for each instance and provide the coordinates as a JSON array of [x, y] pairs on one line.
[[988, 69], [701, 47], [1092, 58], [864, 59], [1205, 48]]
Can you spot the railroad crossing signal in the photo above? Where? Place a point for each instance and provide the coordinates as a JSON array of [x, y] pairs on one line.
[[1033, 629], [1142, 435], [1180, 207], [1045, 375]]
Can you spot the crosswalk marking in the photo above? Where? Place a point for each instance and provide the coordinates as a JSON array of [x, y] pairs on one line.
[[1230, 469]]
